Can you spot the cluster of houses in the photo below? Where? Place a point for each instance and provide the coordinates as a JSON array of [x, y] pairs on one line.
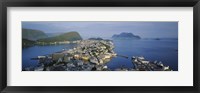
[[94, 51], [88, 55]]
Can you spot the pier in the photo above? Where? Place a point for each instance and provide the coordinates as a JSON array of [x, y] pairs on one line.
[[122, 56], [144, 65]]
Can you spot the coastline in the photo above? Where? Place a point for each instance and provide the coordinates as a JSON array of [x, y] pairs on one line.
[[93, 62]]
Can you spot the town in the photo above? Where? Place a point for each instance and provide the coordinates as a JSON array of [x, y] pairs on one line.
[[91, 55], [88, 55]]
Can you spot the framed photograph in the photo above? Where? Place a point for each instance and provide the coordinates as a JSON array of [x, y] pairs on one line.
[[100, 46]]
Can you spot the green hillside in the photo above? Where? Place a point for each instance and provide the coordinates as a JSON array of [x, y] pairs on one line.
[[27, 43], [70, 36], [31, 34]]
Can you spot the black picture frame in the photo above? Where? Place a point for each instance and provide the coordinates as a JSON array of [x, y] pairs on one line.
[[98, 3]]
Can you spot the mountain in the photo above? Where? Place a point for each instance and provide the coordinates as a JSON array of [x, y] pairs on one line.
[[54, 34], [31, 34], [70, 36], [125, 35], [27, 43]]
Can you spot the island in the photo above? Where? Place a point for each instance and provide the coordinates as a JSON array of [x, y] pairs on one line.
[[126, 35]]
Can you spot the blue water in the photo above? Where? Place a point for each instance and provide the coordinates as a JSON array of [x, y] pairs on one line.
[[160, 50], [35, 51]]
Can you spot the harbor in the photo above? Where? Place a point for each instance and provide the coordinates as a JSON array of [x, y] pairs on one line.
[[144, 65]]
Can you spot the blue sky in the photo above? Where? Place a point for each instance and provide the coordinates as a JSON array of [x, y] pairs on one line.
[[106, 29]]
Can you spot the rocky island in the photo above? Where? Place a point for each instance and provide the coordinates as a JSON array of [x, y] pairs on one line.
[[126, 35]]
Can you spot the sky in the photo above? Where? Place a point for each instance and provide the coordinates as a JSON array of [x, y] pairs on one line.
[[105, 29]]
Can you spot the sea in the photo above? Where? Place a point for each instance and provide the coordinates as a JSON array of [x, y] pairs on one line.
[[164, 50]]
